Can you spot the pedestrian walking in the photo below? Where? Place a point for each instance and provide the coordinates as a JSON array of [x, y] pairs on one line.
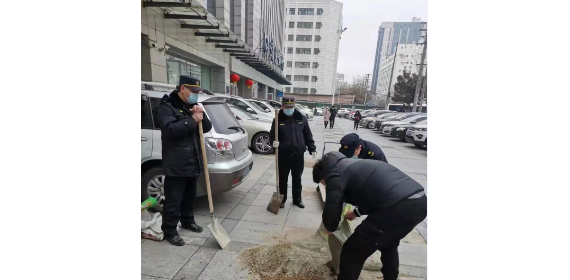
[[393, 201], [326, 116], [352, 146], [315, 111], [178, 116], [295, 138], [333, 116], [357, 118]]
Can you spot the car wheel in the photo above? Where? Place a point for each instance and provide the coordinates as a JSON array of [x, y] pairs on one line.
[[152, 184], [370, 125], [261, 143]]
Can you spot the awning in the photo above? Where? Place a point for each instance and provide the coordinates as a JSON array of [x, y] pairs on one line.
[[194, 16]]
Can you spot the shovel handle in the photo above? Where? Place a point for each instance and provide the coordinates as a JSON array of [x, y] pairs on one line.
[[205, 163], [276, 150]]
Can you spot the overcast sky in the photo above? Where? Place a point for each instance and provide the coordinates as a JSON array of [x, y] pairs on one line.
[[363, 18]]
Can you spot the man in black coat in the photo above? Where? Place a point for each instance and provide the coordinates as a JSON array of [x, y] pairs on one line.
[[333, 116], [178, 116], [393, 201], [352, 146], [294, 138]]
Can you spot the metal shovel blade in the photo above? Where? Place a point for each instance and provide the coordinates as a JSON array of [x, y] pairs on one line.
[[219, 233], [275, 203]]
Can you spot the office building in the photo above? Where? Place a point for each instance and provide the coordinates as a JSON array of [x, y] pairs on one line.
[[212, 40], [390, 34], [311, 45], [406, 59]]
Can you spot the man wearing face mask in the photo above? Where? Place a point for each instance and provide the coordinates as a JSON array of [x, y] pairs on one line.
[[295, 138], [351, 146], [178, 116]]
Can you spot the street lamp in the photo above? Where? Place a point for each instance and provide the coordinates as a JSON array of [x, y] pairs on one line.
[[340, 31]]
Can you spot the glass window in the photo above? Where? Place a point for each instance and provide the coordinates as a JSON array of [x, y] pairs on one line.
[[304, 38], [304, 24], [154, 103], [314, 78], [242, 106], [176, 67], [146, 115], [288, 77], [317, 38], [291, 24], [300, 90], [317, 51], [288, 89], [289, 50], [320, 11], [306, 11], [319, 25], [315, 64], [289, 63], [224, 118], [302, 64], [243, 115], [290, 37], [292, 11], [303, 50], [313, 90], [301, 78]]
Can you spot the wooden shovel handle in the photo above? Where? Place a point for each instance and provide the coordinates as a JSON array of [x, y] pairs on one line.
[[205, 163]]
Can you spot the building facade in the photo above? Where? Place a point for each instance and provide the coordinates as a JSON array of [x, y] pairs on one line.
[[406, 58], [213, 39], [311, 45], [390, 34]]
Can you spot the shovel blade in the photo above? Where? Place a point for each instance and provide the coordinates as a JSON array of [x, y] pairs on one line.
[[275, 203], [219, 233]]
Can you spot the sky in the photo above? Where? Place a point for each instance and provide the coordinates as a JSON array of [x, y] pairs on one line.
[[362, 18]]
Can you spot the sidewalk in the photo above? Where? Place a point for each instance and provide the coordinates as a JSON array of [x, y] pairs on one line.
[[242, 212]]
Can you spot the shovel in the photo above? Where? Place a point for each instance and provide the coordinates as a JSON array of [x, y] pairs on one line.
[[215, 228], [276, 199]]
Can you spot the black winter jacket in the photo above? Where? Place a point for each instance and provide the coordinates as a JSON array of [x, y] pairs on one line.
[[333, 113], [371, 151], [181, 153], [370, 185], [294, 134]]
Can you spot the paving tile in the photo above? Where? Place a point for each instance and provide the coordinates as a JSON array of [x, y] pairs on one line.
[[264, 199], [270, 189], [304, 219], [202, 221], [256, 233], [161, 259], [413, 254], [229, 224], [221, 209], [237, 212], [261, 215], [414, 237], [223, 266], [423, 231], [228, 197], [194, 267], [312, 206], [257, 188], [238, 246], [297, 233], [248, 198], [146, 277], [310, 194], [412, 271]]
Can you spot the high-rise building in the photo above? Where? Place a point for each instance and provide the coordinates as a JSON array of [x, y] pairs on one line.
[[311, 45], [406, 59], [390, 34]]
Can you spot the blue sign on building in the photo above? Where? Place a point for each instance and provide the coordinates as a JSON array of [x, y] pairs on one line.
[[279, 94]]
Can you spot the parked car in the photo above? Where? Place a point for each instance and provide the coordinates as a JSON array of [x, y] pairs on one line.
[[319, 111], [257, 130], [396, 117], [261, 104], [386, 127], [342, 112], [306, 111], [399, 131], [417, 135], [368, 119], [229, 159], [250, 107]]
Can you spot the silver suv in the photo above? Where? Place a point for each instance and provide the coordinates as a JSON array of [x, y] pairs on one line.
[[229, 159]]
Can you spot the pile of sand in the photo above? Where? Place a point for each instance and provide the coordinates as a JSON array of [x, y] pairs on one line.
[[307, 259]]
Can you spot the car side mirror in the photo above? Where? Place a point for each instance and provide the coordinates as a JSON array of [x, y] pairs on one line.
[[238, 118], [249, 110], [267, 110]]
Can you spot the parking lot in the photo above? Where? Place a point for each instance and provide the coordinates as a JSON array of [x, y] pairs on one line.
[[242, 212]]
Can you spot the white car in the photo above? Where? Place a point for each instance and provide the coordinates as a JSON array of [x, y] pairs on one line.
[[306, 111], [267, 107], [250, 107], [257, 130], [387, 126], [417, 135]]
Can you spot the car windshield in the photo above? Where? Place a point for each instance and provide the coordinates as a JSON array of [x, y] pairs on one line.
[[256, 106], [242, 114], [224, 118], [411, 117], [261, 105], [417, 118]]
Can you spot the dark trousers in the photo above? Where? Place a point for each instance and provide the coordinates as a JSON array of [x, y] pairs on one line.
[[294, 163], [356, 124], [332, 122], [180, 196], [382, 231], [326, 123]]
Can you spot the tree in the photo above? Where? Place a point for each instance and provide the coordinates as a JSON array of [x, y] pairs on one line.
[[405, 88], [358, 88]]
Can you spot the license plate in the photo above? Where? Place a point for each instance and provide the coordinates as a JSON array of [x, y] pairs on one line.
[[245, 174], [409, 133]]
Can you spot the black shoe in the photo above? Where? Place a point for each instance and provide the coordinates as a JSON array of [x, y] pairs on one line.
[[282, 205], [176, 240], [300, 204], [318, 189], [193, 227]]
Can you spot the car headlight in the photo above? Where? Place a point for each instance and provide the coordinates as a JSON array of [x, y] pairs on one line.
[[421, 129], [400, 128], [388, 125]]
